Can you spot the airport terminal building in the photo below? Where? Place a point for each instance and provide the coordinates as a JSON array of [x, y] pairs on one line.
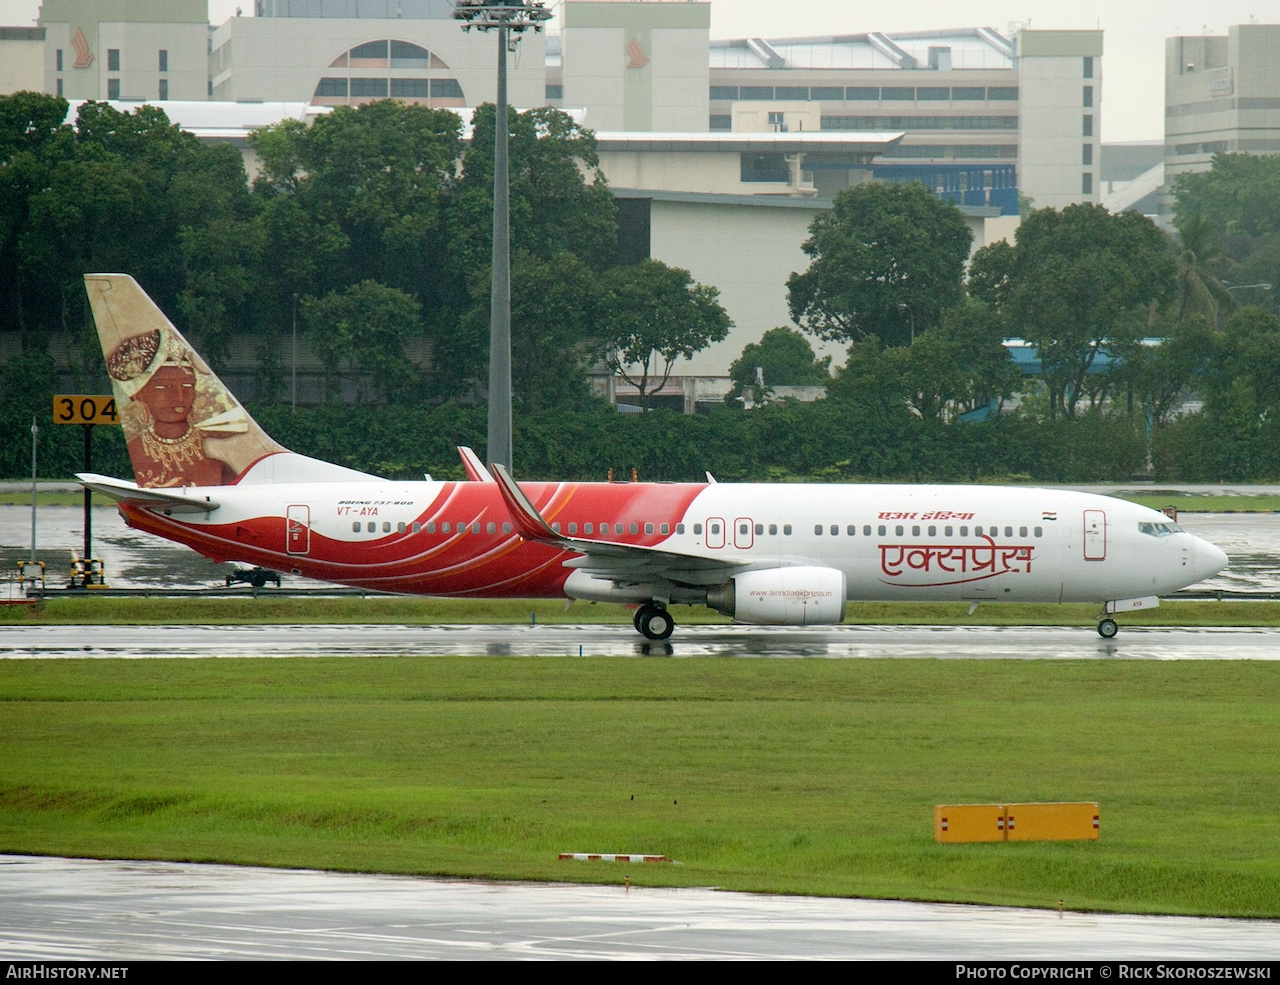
[[720, 152]]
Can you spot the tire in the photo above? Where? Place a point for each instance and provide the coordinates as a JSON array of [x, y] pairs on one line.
[[635, 619], [1107, 629], [657, 624]]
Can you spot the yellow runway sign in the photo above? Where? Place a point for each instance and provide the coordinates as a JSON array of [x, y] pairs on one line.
[[84, 409]]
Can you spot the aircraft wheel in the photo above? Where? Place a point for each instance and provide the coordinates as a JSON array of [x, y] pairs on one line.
[[635, 618], [1107, 628], [656, 623]]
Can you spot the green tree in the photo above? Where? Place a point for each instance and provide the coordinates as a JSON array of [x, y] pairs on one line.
[[1078, 277], [1199, 292], [782, 357], [654, 315], [555, 316], [1240, 197], [883, 257], [364, 329]]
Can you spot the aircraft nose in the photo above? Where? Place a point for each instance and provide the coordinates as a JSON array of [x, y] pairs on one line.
[[1209, 559]]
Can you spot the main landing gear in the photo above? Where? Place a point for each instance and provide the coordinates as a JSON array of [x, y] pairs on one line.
[[654, 622]]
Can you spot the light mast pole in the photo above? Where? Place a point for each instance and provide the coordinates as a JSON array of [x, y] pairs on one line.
[[509, 17]]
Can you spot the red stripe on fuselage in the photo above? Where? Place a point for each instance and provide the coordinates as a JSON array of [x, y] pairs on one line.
[[499, 565]]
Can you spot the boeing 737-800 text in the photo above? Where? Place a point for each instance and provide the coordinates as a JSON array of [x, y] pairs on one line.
[[207, 476]]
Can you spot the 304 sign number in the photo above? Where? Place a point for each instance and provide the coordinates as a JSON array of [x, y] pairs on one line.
[[84, 409]]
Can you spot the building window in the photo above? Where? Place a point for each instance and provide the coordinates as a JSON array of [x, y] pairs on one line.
[[440, 89], [164, 89], [1088, 96], [721, 122], [791, 92], [764, 167], [1086, 154], [410, 88], [113, 59], [113, 88], [897, 92], [59, 87], [933, 93], [57, 60], [555, 92], [1086, 128], [968, 93], [862, 93], [368, 88], [1088, 66], [755, 92], [330, 87], [829, 93], [724, 92], [164, 60], [1006, 93], [1086, 183]]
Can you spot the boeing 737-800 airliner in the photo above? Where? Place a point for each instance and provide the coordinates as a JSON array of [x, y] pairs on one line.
[[207, 476]]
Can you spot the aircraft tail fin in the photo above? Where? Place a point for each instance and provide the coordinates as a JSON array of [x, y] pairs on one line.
[[183, 427]]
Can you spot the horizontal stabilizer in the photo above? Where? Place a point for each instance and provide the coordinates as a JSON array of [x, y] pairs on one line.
[[185, 499]]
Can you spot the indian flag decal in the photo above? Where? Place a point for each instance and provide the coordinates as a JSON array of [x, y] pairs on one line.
[[1049, 516]]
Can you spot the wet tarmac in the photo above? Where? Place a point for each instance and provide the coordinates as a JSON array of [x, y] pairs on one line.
[[138, 560], [903, 642], [71, 909]]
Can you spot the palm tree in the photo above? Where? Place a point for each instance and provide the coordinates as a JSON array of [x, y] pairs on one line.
[[1199, 290]]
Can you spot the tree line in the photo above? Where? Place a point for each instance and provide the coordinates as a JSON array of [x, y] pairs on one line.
[[372, 227]]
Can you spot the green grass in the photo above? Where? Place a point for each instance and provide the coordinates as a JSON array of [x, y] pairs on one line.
[[791, 776], [1190, 503], [247, 610], [53, 499]]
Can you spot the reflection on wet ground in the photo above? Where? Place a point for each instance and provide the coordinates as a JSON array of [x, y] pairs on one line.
[[781, 642], [138, 560]]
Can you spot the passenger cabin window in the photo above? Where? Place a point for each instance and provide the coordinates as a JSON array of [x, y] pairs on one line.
[[773, 529], [417, 527], [881, 530], [851, 530], [915, 531], [506, 528], [648, 528], [1022, 531], [835, 529], [587, 528], [679, 528], [665, 528], [400, 527], [697, 528], [555, 528], [491, 528], [573, 528], [635, 528], [1039, 531], [786, 530], [866, 530], [1008, 531], [759, 529], [817, 529], [445, 527], [897, 531], [475, 527], [964, 531], [715, 529], [371, 527], [355, 527]]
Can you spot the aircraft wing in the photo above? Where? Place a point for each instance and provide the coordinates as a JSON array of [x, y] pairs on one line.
[[181, 499], [608, 559]]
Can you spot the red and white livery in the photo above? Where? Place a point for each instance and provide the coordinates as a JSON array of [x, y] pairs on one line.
[[207, 476]]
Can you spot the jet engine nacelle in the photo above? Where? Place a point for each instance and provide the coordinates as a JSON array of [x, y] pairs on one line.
[[800, 596]]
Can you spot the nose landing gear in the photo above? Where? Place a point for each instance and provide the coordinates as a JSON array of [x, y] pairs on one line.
[[654, 622], [1107, 628]]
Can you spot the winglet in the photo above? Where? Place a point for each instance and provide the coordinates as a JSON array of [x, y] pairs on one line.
[[476, 471], [529, 522], [711, 478]]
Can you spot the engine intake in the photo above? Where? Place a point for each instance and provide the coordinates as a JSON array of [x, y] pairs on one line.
[[799, 596]]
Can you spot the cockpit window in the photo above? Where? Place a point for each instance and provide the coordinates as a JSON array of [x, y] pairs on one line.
[[1158, 529]]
